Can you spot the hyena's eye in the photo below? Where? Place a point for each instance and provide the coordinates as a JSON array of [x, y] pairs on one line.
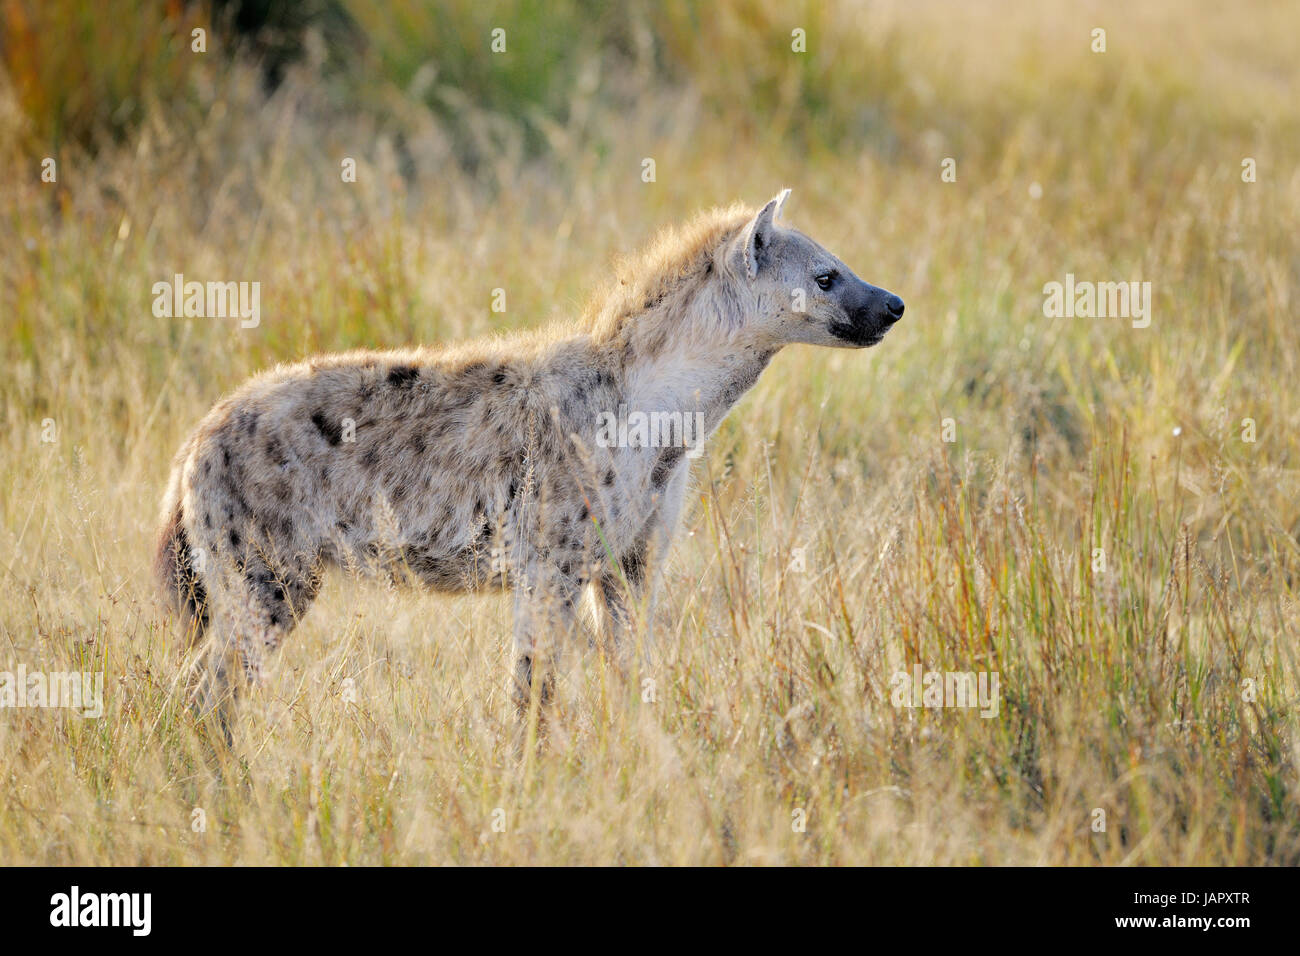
[[826, 280]]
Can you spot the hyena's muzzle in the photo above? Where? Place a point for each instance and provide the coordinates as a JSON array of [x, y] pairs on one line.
[[870, 312]]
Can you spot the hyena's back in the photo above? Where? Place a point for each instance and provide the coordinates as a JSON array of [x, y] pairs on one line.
[[365, 459]]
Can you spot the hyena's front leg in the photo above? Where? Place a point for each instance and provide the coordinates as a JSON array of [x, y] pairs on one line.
[[621, 590], [635, 581]]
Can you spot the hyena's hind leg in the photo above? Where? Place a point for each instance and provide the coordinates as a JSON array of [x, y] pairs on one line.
[[253, 609], [545, 613], [187, 581]]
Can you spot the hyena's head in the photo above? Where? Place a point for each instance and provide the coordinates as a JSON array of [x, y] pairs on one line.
[[799, 292]]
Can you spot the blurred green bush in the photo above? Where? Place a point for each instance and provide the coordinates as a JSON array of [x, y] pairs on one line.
[[81, 72]]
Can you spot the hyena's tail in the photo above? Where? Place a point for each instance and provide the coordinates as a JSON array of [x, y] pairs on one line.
[[174, 566]]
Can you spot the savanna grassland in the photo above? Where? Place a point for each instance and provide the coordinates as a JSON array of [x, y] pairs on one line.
[[1099, 528]]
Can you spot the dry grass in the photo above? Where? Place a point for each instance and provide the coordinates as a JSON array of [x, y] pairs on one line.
[[1121, 690]]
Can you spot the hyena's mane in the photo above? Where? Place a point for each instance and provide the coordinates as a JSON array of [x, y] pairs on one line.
[[662, 278]]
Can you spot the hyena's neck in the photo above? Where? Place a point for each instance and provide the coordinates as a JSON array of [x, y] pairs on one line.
[[707, 384], [682, 353]]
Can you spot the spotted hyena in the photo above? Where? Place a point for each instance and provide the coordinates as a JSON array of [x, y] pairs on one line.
[[485, 464]]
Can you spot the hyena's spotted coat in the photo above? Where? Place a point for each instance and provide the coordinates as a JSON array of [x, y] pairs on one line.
[[478, 465]]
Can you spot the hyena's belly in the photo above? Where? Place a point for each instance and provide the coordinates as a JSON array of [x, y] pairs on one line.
[[421, 532], [467, 570]]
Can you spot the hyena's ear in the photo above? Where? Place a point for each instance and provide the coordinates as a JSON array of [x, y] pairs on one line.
[[758, 234]]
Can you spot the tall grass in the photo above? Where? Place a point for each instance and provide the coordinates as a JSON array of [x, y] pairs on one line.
[[1098, 533]]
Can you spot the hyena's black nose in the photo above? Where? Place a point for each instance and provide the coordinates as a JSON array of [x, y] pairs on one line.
[[895, 306]]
